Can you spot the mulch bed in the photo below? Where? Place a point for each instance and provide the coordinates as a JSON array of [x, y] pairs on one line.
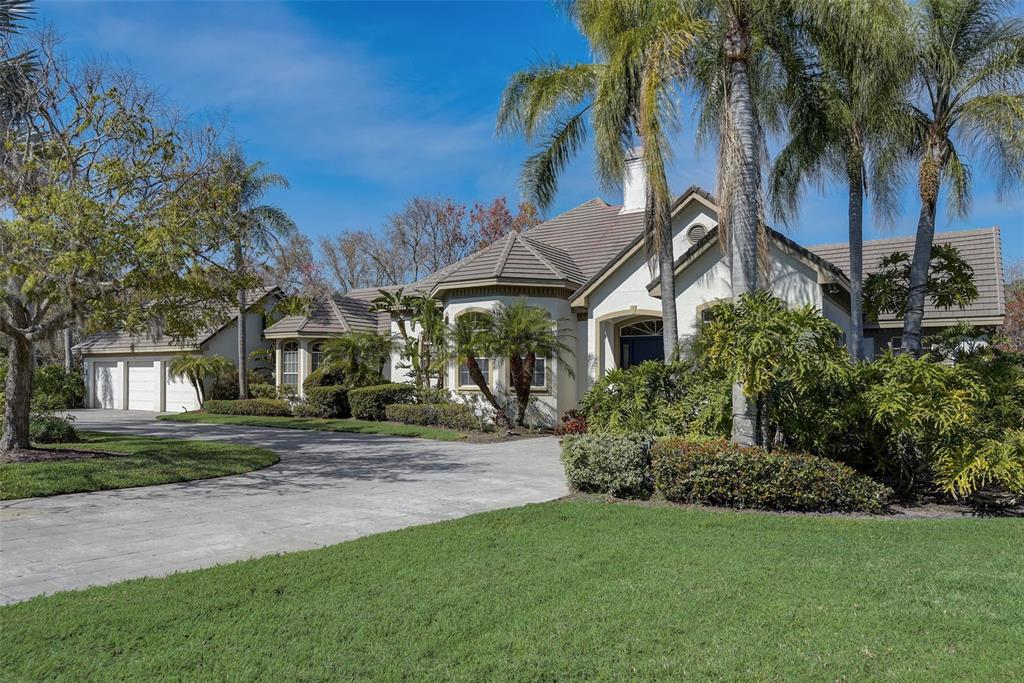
[[37, 454]]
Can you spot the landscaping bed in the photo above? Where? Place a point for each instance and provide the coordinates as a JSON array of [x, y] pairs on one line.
[[101, 461], [559, 591]]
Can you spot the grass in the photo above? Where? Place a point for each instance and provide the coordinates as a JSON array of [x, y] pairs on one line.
[[149, 460], [320, 424], [571, 590]]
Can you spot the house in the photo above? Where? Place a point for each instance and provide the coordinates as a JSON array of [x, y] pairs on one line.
[[125, 371], [588, 268]]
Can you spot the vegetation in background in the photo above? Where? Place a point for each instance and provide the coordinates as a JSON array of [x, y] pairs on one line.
[[359, 357], [950, 282], [198, 370], [138, 461]]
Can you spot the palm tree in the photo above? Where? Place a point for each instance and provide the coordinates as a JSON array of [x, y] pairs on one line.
[[428, 316], [626, 97], [524, 333], [360, 356], [969, 81], [846, 123], [469, 340], [198, 369], [251, 228]]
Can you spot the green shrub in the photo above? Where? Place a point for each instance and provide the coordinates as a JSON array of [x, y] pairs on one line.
[[262, 390], [331, 401], [54, 388], [722, 473], [49, 428], [448, 415], [324, 376], [225, 385], [602, 463], [264, 407], [368, 403], [658, 398], [433, 395]]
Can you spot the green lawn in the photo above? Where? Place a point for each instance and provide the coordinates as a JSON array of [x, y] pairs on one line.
[[320, 424], [150, 460], [573, 590]]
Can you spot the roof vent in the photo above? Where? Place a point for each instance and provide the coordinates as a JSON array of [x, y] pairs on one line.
[[696, 233]]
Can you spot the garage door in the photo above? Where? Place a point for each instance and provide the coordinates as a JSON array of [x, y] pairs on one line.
[[107, 385], [143, 389], [180, 396]]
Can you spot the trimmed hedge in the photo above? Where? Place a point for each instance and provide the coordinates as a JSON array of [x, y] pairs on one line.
[[722, 473], [324, 376], [450, 415], [262, 390], [602, 463], [330, 401], [263, 407], [368, 403]]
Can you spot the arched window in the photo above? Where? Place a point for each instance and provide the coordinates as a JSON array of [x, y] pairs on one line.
[[316, 352], [644, 328], [290, 364]]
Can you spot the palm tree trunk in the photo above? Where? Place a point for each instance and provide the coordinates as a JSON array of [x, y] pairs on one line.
[[667, 278], [481, 382], [744, 214], [856, 217], [18, 391], [522, 378], [928, 183], [243, 379]]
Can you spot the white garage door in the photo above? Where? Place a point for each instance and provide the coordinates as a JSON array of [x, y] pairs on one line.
[[107, 385], [143, 389], [180, 396]]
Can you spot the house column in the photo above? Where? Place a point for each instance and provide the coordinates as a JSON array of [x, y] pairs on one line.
[[277, 363], [161, 394], [304, 363]]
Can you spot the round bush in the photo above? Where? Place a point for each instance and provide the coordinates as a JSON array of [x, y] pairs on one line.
[[324, 376], [722, 473], [51, 429], [368, 403], [602, 463], [331, 401]]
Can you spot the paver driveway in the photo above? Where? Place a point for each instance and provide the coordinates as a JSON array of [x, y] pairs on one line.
[[328, 488]]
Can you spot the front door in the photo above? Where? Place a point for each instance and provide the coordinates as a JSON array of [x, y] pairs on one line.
[[641, 342]]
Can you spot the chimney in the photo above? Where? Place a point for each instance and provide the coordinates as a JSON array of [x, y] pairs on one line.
[[634, 183]]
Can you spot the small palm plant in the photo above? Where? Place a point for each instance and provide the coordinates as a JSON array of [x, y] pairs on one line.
[[198, 369], [361, 357], [524, 333], [469, 339]]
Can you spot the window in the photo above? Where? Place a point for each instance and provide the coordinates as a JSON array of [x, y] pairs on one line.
[[896, 344], [290, 364], [316, 352], [485, 367], [539, 377]]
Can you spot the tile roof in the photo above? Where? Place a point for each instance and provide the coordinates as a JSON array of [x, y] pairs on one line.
[[337, 314], [516, 258], [157, 341], [981, 248]]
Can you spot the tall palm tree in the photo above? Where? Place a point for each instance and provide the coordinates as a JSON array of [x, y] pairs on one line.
[[251, 228], [969, 84], [522, 334], [846, 123], [626, 97]]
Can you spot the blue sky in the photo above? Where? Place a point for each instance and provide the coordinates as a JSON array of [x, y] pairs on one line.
[[364, 105]]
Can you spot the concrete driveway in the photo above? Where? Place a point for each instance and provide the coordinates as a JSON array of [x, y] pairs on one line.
[[327, 488]]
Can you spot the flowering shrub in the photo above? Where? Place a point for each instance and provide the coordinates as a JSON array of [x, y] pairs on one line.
[[573, 422]]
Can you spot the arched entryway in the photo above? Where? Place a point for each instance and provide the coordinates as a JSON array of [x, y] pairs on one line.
[[641, 341]]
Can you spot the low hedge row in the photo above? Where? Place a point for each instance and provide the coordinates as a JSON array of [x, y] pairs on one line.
[[263, 407], [717, 473], [723, 473], [448, 415], [368, 403]]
